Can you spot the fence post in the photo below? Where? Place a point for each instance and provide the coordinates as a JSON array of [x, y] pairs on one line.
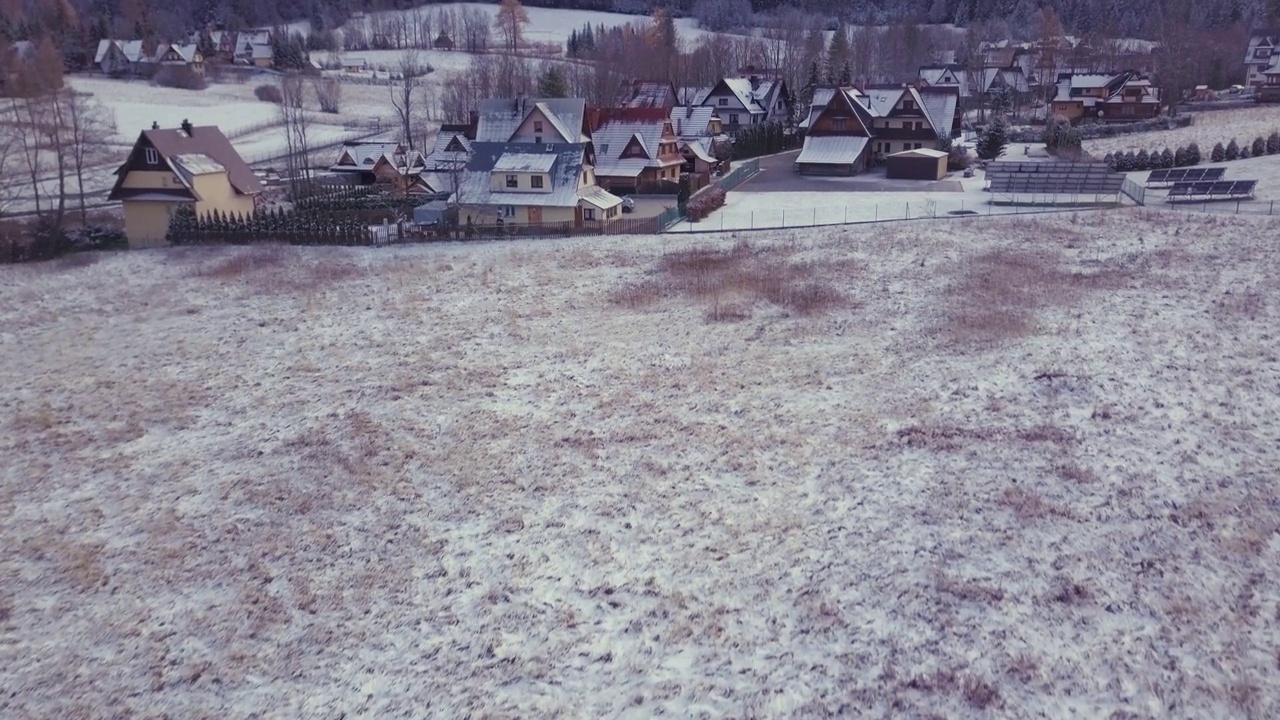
[[784, 217], [815, 215], [906, 214], [846, 213]]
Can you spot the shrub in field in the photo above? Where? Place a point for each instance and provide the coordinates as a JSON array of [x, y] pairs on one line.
[[704, 204], [1181, 158], [1130, 162], [96, 237], [269, 93], [1193, 154], [179, 76], [1110, 160], [1218, 154], [1259, 147], [328, 94], [1166, 159], [1233, 150], [1142, 161], [1245, 153], [1273, 143]]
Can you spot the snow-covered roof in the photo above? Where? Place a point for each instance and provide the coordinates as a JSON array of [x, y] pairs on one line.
[[442, 158], [832, 149], [364, 156], [193, 164], [698, 147], [645, 94], [261, 51], [131, 49], [1090, 80], [921, 152], [524, 162], [565, 169], [881, 101], [499, 118], [940, 109], [692, 121], [599, 197]]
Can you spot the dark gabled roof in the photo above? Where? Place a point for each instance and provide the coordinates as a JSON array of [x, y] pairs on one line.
[[205, 140]]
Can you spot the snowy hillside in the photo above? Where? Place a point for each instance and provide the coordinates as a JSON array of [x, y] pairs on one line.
[[999, 467]]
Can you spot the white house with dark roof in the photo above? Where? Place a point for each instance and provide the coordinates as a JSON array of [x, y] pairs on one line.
[[519, 183], [1108, 97], [1263, 46], [745, 101], [119, 57], [698, 132]]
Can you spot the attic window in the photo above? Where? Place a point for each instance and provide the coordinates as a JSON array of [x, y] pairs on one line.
[[604, 149], [536, 181], [153, 157], [537, 126]]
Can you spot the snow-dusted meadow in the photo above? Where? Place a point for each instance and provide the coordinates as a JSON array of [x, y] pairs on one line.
[[1208, 128], [1006, 467]]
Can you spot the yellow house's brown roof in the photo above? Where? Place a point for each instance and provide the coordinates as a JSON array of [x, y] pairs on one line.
[[205, 140]]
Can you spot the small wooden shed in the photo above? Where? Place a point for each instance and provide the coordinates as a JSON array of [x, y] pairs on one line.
[[921, 164]]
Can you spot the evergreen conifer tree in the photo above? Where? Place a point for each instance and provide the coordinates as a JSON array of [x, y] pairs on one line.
[[1233, 150], [1218, 154], [1259, 147], [1273, 143]]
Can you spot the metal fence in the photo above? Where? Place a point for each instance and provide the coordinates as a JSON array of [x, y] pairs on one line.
[[1223, 207], [868, 212], [740, 174]]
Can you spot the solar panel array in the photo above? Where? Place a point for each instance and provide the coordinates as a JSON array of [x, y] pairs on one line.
[[1170, 176], [1219, 190], [1054, 178]]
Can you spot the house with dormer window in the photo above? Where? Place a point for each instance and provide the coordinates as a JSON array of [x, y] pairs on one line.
[[517, 183], [745, 101], [169, 168], [855, 129], [1106, 97], [545, 121], [635, 148], [1263, 45]]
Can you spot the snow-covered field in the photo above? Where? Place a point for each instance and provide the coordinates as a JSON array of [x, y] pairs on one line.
[[1006, 467], [547, 24], [137, 103], [1208, 128]]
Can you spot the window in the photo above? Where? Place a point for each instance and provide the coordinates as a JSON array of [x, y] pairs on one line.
[[841, 124], [153, 157], [604, 149], [917, 146], [919, 126], [733, 118], [589, 214], [509, 211], [536, 181], [513, 181], [908, 105], [723, 102], [537, 126]]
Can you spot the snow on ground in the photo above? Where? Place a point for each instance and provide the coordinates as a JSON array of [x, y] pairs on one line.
[[1208, 128], [1007, 467], [137, 103], [548, 24], [1265, 169], [271, 144], [745, 209], [389, 60]]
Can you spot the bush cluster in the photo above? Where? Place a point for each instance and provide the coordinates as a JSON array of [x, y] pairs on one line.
[[269, 93], [704, 203], [179, 76]]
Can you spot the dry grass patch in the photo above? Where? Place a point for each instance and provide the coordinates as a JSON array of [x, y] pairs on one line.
[[732, 281], [273, 269], [998, 294]]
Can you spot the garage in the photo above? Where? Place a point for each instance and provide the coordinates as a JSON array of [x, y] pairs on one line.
[[921, 164]]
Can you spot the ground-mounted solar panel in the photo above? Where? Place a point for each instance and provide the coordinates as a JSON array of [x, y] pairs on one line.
[[1169, 176], [1211, 190]]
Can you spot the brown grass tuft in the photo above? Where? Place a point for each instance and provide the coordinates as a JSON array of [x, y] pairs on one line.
[[732, 280], [999, 293], [969, 590], [1028, 505]]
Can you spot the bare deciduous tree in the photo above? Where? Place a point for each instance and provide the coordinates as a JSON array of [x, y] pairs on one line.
[[90, 126], [328, 94], [510, 22], [405, 93], [294, 115]]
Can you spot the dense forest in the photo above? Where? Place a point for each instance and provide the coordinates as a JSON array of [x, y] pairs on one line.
[[26, 19]]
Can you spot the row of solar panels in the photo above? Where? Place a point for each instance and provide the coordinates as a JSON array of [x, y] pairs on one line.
[[1043, 168], [1169, 176], [1058, 186], [1214, 190]]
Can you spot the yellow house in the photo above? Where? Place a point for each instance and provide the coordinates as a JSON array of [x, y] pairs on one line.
[[169, 168], [525, 184]]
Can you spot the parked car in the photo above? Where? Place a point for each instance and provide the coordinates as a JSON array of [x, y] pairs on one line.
[[628, 205]]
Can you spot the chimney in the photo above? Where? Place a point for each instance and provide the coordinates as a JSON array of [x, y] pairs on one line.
[[155, 125], [688, 111], [186, 127], [755, 82]]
